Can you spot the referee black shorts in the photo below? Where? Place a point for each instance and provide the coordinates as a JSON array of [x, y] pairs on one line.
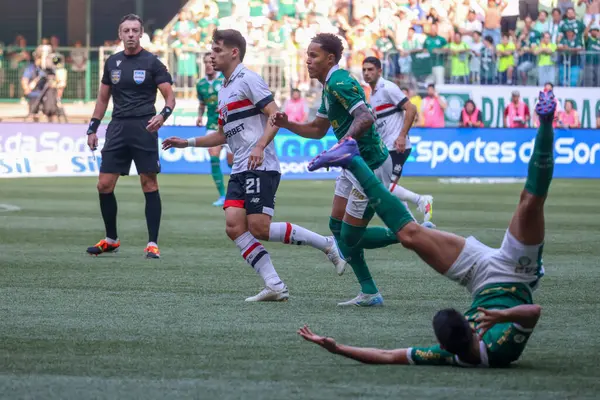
[[128, 140], [398, 160]]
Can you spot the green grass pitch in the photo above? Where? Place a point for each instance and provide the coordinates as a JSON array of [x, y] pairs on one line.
[[77, 327]]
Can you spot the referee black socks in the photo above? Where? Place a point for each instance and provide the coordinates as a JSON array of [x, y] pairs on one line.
[[153, 214], [108, 208]]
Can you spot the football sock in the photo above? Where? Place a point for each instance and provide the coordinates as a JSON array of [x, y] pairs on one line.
[[335, 226], [355, 256], [391, 210], [377, 237], [541, 164], [287, 233], [153, 214], [257, 256], [217, 175], [108, 208], [404, 194]]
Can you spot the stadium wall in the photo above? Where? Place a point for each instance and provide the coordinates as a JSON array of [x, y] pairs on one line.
[[45, 150]]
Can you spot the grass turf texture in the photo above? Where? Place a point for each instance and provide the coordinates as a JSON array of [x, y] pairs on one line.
[[120, 326]]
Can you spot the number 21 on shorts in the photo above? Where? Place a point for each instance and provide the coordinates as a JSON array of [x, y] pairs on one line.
[[253, 185]]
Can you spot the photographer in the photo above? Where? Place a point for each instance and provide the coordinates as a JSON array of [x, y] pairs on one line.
[[40, 87]]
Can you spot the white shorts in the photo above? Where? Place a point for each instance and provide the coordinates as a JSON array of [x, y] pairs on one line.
[[479, 265], [347, 186]]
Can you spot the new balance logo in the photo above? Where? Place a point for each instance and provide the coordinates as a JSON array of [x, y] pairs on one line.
[[255, 200]]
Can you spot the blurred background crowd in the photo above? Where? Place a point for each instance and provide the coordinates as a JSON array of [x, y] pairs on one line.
[[421, 42]]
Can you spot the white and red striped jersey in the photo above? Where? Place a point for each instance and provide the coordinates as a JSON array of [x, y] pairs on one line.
[[241, 100], [386, 101]]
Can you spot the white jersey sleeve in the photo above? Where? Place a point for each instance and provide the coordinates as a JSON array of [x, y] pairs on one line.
[[387, 102], [395, 95]]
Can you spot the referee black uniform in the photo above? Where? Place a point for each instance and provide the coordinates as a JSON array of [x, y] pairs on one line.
[[134, 81], [132, 78]]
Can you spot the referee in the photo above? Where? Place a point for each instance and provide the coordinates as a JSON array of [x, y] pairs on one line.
[[131, 77]]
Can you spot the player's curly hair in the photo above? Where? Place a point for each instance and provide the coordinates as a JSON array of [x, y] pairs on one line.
[[331, 44]]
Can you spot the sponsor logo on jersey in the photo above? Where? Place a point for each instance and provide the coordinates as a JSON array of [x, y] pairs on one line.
[[139, 76], [235, 130], [115, 76]]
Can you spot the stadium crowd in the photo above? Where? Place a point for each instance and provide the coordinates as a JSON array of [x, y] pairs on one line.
[[421, 42]]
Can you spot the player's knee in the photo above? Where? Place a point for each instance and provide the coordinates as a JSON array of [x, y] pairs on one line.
[[407, 235], [233, 230], [259, 230], [149, 183], [105, 186]]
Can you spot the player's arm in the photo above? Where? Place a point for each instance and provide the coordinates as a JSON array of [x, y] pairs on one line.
[[99, 110], [201, 108], [525, 316], [164, 82], [257, 154], [214, 139], [361, 354], [315, 129], [363, 121], [402, 103]]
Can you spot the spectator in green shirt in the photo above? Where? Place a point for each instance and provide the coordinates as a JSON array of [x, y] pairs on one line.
[[184, 27], [506, 59], [434, 45], [527, 39], [592, 61], [570, 65], [488, 61], [187, 66], [386, 51], [407, 48], [225, 8], [459, 60], [571, 23], [286, 7]]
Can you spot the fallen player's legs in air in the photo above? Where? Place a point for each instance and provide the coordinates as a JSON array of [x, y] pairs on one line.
[[440, 249]]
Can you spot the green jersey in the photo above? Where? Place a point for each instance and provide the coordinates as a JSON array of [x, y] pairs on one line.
[[432, 43], [592, 47], [342, 94], [501, 345], [208, 94], [574, 25]]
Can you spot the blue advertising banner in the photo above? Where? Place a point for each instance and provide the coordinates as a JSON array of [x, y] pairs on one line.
[[61, 150]]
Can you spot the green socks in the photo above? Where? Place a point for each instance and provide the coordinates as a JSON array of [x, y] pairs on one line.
[[391, 210], [215, 164], [541, 164], [377, 237], [347, 234]]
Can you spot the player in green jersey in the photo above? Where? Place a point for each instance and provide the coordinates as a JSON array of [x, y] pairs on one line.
[[207, 89], [497, 326], [345, 108]]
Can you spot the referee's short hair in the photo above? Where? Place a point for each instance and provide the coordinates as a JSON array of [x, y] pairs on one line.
[[373, 60], [331, 44], [231, 38], [132, 17]]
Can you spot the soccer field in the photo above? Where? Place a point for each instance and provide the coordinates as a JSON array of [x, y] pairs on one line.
[[120, 326]]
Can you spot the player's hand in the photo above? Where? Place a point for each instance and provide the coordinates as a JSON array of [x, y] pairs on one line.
[[279, 119], [92, 141], [175, 142], [257, 156], [199, 122], [327, 343], [155, 123], [400, 144], [488, 318]]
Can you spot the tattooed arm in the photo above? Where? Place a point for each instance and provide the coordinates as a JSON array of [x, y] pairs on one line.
[[363, 120]]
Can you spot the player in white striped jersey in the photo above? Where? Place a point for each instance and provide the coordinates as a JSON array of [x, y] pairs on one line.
[[245, 105], [395, 116]]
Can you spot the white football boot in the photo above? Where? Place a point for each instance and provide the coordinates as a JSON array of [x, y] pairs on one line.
[[364, 300], [268, 294], [335, 256]]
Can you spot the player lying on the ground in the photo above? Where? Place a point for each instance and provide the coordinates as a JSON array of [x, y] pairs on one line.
[[245, 105], [207, 89], [495, 330], [395, 116], [344, 108]]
